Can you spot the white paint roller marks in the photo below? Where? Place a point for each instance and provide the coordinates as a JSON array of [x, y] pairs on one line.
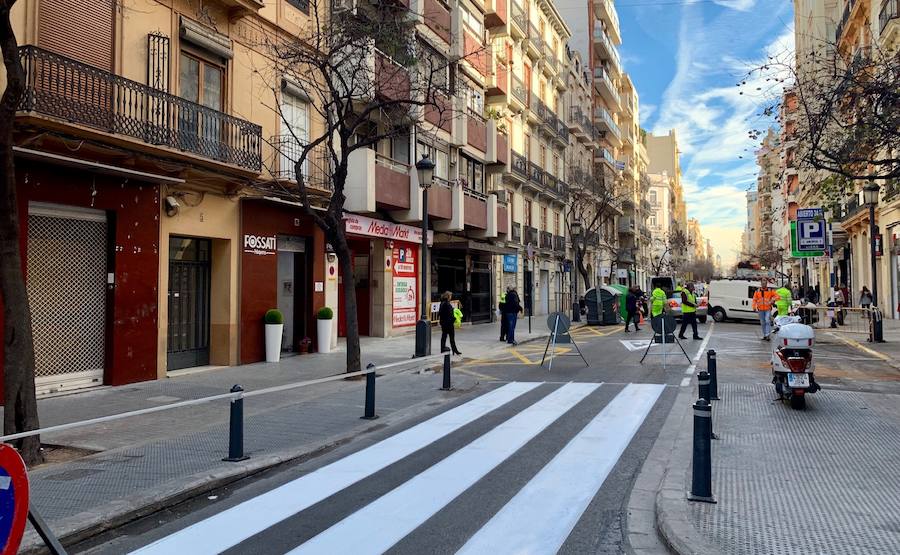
[[382, 523], [230, 527], [542, 515]]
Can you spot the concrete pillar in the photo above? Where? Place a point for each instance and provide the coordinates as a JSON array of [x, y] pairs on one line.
[[382, 290]]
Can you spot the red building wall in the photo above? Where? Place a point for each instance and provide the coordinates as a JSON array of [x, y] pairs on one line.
[[133, 214], [259, 273]]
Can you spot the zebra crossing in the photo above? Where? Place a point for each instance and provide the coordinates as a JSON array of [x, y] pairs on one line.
[[536, 519]]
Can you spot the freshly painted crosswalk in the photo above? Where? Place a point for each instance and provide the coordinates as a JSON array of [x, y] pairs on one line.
[[230, 527], [538, 518]]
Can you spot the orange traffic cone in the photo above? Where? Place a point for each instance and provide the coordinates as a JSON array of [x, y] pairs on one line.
[[642, 317]]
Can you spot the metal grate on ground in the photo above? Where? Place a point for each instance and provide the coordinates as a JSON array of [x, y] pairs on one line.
[[824, 480]]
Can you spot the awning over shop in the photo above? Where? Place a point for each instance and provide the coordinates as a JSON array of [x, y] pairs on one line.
[[474, 246]]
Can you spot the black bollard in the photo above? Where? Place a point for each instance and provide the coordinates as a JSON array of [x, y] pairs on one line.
[[701, 482], [236, 428], [370, 394], [446, 386], [703, 385], [713, 379]]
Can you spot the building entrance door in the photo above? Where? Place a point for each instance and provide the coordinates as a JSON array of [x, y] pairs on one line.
[[480, 291], [545, 292], [67, 269], [189, 283], [360, 280], [292, 287]]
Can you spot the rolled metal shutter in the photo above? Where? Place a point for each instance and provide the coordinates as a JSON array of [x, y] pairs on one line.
[[78, 29]]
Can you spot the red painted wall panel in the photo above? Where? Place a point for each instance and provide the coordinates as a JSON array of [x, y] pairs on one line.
[[259, 273]]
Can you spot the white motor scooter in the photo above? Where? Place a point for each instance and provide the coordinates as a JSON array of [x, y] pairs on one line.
[[792, 363]]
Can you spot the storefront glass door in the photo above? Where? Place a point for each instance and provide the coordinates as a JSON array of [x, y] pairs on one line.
[[189, 284]]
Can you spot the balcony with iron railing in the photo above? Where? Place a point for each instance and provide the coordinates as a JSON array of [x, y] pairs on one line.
[[607, 49], [579, 124], [516, 232], [839, 30], [538, 108], [531, 235], [605, 10], [562, 131], [80, 94], [606, 156], [519, 92], [606, 87], [518, 165], [536, 174], [315, 170], [535, 41], [519, 19], [605, 122]]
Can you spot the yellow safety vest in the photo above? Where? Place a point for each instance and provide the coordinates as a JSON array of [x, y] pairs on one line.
[[657, 303], [685, 309]]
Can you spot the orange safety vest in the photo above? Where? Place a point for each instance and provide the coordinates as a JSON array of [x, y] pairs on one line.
[[764, 301]]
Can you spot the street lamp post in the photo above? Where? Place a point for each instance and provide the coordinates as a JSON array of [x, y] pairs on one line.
[[870, 196], [576, 306], [425, 171]]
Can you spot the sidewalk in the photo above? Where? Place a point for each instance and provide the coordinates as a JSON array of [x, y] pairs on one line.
[[824, 480], [143, 463], [889, 351]]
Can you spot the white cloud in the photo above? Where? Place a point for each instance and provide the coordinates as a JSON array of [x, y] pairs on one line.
[[711, 115], [647, 111]]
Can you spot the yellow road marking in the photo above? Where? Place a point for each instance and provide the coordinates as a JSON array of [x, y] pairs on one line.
[[476, 374], [519, 356]]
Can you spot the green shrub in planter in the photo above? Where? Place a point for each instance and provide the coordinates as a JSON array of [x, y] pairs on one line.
[[325, 313], [274, 316]]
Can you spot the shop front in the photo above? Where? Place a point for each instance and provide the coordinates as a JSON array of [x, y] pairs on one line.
[[386, 265], [283, 266], [89, 247], [466, 270]]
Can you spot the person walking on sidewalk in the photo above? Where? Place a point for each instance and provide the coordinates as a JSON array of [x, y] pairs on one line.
[[511, 310], [865, 298], [688, 311], [447, 320], [763, 300], [504, 323], [631, 309]]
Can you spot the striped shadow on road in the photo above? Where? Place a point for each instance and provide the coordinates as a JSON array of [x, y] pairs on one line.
[[379, 525], [542, 515], [230, 527]]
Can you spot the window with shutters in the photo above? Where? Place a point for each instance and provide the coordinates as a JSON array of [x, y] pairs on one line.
[[202, 81], [527, 214], [294, 131]]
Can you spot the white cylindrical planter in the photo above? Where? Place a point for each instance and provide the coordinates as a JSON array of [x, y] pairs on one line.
[[323, 335], [273, 342]]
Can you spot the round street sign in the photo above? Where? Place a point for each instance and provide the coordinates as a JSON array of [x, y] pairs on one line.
[[13, 499], [562, 326]]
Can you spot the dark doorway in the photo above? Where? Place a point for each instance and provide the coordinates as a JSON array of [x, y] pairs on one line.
[[480, 291], [189, 285], [293, 290]]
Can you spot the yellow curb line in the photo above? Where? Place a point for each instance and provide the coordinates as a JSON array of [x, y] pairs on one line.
[[863, 348], [476, 374]]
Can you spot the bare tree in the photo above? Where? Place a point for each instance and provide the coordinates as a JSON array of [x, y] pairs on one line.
[[20, 403], [672, 245], [369, 80], [593, 205], [841, 110]]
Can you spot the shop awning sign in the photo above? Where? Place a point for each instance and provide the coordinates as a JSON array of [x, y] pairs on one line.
[[371, 227]]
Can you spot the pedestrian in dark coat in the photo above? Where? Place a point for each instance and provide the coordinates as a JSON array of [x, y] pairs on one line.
[[445, 316], [631, 309], [511, 309]]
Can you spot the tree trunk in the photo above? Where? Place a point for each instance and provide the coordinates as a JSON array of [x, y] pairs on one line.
[[20, 410], [338, 239], [580, 251]]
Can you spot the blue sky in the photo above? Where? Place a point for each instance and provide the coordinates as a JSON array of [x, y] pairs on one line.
[[686, 58]]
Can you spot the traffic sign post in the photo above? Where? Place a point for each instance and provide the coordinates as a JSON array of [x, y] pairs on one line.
[[796, 252], [558, 324]]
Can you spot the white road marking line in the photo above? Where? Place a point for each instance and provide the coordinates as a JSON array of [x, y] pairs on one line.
[[228, 528], [543, 513], [382, 523], [685, 382], [690, 369]]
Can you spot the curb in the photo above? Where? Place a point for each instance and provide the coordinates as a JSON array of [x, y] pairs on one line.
[[672, 506], [862, 348], [82, 526]]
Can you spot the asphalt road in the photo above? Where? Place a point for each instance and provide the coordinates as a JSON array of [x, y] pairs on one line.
[[527, 455]]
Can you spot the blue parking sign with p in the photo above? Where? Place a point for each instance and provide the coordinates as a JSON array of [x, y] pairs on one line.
[[811, 235]]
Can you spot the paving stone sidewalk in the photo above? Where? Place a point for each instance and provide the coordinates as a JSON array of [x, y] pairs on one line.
[[150, 461], [824, 480]]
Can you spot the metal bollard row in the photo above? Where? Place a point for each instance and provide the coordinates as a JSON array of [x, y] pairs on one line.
[[446, 385], [236, 428], [701, 478], [369, 413], [713, 379]]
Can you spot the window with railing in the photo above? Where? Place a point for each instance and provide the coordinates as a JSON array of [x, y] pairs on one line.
[[472, 174]]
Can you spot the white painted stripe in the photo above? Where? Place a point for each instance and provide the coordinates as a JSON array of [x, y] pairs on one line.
[[542, 515], [228, 528], [685, 382], [382, 523], [690, 369]]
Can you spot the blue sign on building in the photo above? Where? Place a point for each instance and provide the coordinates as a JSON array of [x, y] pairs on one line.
[[511, 263]]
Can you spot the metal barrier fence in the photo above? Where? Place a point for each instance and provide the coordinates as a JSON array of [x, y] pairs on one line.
[[839, 319]]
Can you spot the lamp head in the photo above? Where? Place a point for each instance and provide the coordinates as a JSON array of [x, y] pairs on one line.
[[425, 169]]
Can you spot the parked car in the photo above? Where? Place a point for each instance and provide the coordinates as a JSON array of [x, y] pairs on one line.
[[675, 306], [732, 299]]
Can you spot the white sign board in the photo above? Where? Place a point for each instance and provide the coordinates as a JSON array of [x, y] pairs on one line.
[[370, 227]]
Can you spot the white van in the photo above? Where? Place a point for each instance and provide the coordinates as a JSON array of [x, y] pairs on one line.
[[732, 299]]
